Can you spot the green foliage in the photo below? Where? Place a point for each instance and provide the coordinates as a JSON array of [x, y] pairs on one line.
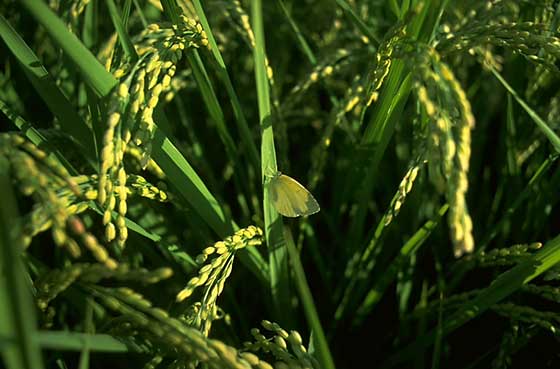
[[132, 183]]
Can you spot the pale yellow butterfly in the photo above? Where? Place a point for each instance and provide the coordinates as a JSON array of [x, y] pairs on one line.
[[290, 198]]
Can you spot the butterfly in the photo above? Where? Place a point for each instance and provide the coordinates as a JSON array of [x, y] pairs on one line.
[[290, 198]]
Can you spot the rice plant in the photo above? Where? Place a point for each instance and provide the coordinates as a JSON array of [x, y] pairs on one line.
[[148, 150]]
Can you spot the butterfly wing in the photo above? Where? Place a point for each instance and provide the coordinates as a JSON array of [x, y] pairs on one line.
[[290, 198]]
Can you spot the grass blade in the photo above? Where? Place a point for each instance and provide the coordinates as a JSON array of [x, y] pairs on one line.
[[211, 101], [302, 43], [93, 73], [278, 261], [124, 39], [319, 340], [88, 323], [17, 309], [69, 119], [354, 18], [35, 136], [242, 124], [543, 126], [71, 341]]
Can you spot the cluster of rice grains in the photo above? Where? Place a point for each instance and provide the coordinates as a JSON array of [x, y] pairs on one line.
[[493, 25], [450, 122], [144, 325], [286, 348], [130, 118], [214, 273], [58, 198], [52, 283]]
